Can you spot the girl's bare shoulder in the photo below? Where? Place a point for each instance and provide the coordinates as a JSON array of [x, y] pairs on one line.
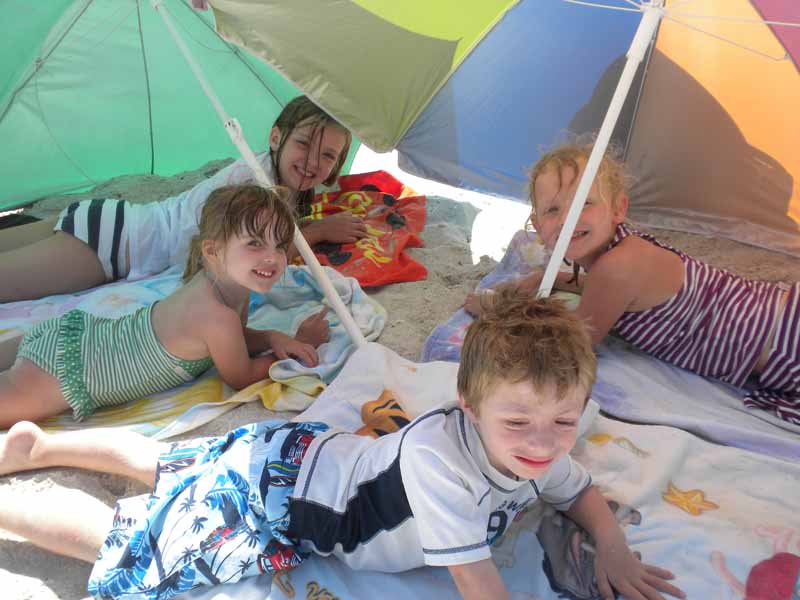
[[635, 255], [196, 303], [646, 273], [621, 260]]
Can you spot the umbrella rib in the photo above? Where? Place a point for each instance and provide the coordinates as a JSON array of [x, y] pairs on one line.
[[237, 53], [729, 41], [188, 34], [112, 30], [147, 86], [53, 137], [646, 67], [734, 19], [606, 6], [39, 63]]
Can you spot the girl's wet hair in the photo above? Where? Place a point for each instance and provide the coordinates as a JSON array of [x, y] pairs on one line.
[[302, 111], [241, 210]]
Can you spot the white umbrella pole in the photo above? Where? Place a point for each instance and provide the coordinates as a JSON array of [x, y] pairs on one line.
[[647, 27], [235, 132]]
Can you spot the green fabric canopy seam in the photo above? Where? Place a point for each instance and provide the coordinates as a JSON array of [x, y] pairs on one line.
[[147, 86], [236, 52], [40, 61]]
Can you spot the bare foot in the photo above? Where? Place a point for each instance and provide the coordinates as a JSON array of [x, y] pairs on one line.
[[16, 450]]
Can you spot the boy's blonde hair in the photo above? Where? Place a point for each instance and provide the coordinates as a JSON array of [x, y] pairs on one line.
[[240, 210], [518, 338], [612, 176]]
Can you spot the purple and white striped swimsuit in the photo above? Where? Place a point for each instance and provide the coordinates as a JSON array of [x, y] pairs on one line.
[[717, 325]]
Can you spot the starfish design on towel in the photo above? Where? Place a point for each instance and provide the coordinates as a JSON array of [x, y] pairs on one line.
[[601, 439], [317, 592], [691, 501]]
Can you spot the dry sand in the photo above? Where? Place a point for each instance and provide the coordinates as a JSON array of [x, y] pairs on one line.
[[413, 309]]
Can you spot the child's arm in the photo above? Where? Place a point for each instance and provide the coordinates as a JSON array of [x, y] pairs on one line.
[[224, 337], [283, 345], [609, 289], [341, 228], [479, 580], [634, 276], [615, 566], [312, 332], [564, 282]]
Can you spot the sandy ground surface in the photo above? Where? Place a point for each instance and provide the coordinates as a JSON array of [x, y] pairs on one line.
[[455, 231]]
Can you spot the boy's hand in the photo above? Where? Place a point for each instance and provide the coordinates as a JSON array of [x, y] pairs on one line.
[[285, 346], [314, 330], [616, 567]]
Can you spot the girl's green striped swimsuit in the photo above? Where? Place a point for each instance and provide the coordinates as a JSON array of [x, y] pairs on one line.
[[103, 362]]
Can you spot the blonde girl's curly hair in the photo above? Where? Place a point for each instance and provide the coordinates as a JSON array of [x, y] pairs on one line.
[[519, 338], [612, 174], [240, 210]]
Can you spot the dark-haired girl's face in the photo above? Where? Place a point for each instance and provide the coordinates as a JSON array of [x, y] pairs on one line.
[[309, 154]]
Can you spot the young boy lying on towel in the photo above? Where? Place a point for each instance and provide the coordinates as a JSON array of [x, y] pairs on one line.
[[438, 492]]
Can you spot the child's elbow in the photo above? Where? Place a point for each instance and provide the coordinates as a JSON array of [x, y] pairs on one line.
[[257, 370], [239, 381], [235, 381]]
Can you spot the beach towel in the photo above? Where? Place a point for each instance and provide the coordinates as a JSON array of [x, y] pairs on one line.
[[291, 386], [720, 518], [634, 386], [394, 215]]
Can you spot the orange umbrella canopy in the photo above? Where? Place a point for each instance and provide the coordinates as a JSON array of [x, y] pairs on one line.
[[470, 91], [715, 143]]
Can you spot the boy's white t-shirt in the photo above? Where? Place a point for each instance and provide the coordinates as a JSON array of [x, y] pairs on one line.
[[159, 232], [425, 495]]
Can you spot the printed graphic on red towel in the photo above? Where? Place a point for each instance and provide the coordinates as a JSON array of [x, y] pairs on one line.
[[394, 215]]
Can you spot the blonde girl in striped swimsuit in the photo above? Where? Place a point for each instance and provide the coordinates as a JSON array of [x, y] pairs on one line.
[[82, 362], [664, 302]]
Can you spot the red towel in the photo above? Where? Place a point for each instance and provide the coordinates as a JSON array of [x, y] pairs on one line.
[[394, 215]]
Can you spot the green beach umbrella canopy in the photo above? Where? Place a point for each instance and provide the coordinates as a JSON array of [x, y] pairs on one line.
[[92, 89]]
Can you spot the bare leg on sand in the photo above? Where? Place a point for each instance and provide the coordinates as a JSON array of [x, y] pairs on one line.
[[36, 261], [26, 447]]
